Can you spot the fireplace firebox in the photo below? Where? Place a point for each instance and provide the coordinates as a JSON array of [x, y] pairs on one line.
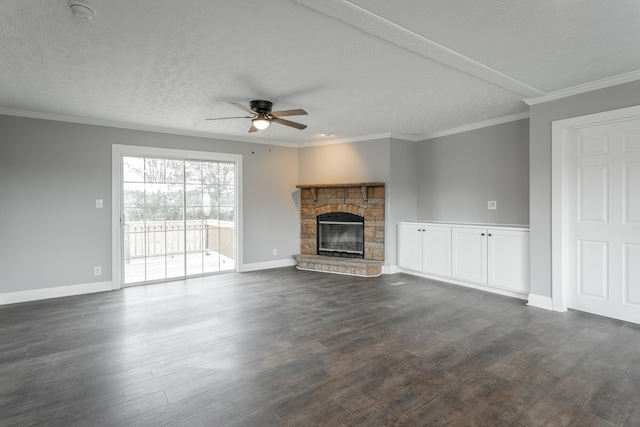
[[341, 234]]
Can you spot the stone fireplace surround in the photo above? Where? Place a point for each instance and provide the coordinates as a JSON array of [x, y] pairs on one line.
[[363, 199]]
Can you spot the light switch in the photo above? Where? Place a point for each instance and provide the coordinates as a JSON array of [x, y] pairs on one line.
[[492, 204], [98, 203]]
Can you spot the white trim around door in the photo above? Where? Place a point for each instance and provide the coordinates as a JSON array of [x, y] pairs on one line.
[[560, 162], [118, 151]]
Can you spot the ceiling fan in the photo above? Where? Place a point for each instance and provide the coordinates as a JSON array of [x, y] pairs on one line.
[[262, 116]]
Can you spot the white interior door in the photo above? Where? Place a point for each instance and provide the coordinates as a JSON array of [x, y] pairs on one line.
[[603, 227]]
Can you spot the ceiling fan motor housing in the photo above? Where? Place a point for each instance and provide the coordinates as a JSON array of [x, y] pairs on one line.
[[260, 106]]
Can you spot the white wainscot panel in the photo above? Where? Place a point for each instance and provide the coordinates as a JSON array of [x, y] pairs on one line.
[[632, 273], [596, 145], [593, 193], [632, 193], [593, 261]]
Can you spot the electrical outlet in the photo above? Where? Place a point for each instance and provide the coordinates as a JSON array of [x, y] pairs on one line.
[[99, 204], [492, 204], [275, 252], [97, 271]]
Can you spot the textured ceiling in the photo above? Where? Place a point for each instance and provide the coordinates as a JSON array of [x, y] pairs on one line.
[[364, 67]]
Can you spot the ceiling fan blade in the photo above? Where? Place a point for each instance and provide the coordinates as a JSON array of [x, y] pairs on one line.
[[298, 112], [253, 128], [288, 123], [225, 118], [247, 109]]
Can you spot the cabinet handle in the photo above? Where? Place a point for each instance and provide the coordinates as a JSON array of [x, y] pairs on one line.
[[489, 234], [482, 234]]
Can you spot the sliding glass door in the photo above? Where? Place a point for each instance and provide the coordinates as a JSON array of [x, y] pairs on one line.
[[178, 218]]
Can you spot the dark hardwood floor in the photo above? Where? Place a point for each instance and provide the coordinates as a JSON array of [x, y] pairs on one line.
[[287, 347]]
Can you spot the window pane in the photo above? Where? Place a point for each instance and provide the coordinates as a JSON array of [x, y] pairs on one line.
[[175, 214], [227, 214], [156, 268], [155, 238], [174, 171], [193, 171], [175, 195], [194, 195], [132, 215], [133, 195], [210, 172], [174, 243], [194, 214], [155, 213], [154, 170], [227, 174], [175, 265], [211, 262], [227, 196], [155, 195], [132, 169]]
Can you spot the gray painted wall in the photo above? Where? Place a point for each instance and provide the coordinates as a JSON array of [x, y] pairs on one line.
[[362, 161], [541, 117], [458, 174], [52, 172], [402, 191]]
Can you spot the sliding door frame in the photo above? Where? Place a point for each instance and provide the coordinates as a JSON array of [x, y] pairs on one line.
[[118, 151]]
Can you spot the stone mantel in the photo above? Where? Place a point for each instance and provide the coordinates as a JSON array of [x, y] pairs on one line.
[[363, 185]]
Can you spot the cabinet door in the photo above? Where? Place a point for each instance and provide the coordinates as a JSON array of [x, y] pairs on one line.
[[410, 246], [436, 250], [509, 259], [469, 254]]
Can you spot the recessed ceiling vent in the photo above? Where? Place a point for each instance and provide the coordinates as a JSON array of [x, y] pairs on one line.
[[81, 9]]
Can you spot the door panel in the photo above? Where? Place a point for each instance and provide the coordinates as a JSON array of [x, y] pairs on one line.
[[469, 254], [409, 247], [631, 193], [593, 193], [593, 264], [508, 256], [632, 273], [436, 250]]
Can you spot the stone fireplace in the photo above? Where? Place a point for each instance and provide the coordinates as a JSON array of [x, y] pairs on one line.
[[342, 228]]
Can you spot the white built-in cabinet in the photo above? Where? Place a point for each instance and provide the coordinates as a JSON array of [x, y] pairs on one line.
[[425, 248], [494, 256]]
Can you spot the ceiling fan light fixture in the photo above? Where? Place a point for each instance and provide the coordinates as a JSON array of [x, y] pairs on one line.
[[81, 9], [261, 122]]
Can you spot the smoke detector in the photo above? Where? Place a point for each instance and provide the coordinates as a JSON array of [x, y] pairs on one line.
[[81, 9]]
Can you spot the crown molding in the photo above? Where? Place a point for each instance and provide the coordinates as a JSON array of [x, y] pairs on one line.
[[388, 135], [586, 87], [474, 126], [135, 126]]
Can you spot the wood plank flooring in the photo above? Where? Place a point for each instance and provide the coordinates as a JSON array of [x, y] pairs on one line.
[[298, 348]]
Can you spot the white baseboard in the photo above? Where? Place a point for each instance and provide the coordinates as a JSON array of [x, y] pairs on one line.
[[390, 269], [539, 301], [57, 292], [479, 286], [267, 265]]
